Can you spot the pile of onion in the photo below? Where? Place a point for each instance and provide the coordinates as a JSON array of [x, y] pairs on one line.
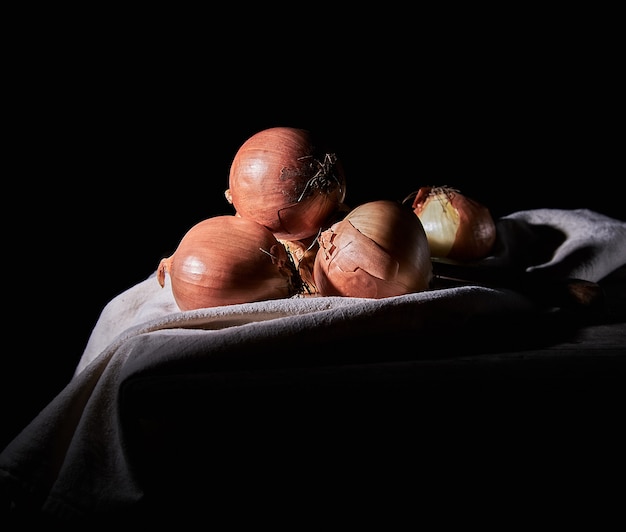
[[227, 260], [284, 180], [457, 227], [378, 250]]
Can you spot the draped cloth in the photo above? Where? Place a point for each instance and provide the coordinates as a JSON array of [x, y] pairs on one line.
[[72, 460]]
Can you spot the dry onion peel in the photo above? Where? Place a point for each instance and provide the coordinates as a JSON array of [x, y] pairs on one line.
[[303, 255]]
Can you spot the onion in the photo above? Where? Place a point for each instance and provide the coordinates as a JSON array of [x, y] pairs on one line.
[[457, 227], [227, 260], [378, 250], [282, 179]]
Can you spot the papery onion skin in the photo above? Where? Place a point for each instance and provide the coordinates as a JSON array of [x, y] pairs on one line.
[[226, 260], [378, 250], [457, 227], [303, 255], [283, 179]]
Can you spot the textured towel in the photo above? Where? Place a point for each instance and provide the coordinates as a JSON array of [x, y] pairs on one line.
[[71, 460]]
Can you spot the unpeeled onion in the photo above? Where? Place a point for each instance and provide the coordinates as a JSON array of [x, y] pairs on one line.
[[226, 260], [378, 250], [457, 227], [282, 178]]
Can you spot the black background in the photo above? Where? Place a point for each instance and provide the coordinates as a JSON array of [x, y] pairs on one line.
[[120, 143]]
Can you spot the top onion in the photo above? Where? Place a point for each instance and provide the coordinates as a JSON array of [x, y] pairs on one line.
[[283, 180], [457, 227]]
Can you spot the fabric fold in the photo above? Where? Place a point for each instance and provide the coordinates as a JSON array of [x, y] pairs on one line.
[[72, 460]]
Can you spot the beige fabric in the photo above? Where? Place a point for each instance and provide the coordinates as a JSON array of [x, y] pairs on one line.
[[71, 459]]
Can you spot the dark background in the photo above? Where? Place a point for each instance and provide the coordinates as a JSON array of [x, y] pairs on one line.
[[119, 144]]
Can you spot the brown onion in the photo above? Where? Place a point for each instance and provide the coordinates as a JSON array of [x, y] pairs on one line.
[[282, 179], [227, 260], [457, 227], [378, 250]]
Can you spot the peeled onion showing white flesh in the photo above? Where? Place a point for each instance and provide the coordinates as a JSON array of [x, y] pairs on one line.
[[457, 227]]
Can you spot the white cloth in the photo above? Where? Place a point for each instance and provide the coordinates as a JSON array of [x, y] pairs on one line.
[[70, 461]]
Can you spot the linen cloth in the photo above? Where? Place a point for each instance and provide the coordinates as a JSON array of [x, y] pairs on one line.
[[71, 460]]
